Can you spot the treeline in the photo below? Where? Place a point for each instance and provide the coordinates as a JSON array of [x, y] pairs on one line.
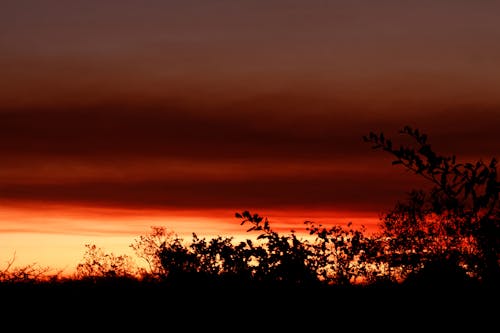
[[448, 235]]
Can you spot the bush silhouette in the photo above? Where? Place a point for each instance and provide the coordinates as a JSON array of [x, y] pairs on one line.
[[440, 273]]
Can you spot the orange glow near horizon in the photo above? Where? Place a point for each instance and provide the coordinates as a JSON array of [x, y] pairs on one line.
[[54, 236]]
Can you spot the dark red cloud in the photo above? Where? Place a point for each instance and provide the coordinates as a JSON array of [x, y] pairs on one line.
[[352, 192], [242, 130], [279, 153]]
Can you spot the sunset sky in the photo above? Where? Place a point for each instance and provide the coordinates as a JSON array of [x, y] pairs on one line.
[[116, 116]]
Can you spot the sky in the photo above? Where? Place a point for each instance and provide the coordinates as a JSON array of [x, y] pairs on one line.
[[116, 116]]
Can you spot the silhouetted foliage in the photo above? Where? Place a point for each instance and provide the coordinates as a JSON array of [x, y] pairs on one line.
[[458, 220], [27, 274], [97, 264], [147, 247], [341, 255], [281, 258]]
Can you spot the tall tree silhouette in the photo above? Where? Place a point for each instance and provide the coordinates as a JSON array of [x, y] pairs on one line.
[[457, 221]]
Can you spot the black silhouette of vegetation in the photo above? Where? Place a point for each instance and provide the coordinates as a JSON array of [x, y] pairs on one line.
[[448, 235], [452, 230]]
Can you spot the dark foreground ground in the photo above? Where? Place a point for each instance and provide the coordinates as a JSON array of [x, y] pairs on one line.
[[140, 307]]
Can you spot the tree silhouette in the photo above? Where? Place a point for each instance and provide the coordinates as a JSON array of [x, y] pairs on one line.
[[147, 248], [97, 264], [221, 258], [457, 221], [341, 256], [282, 258]]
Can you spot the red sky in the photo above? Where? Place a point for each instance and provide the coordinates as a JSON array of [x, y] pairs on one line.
[[119, 115]]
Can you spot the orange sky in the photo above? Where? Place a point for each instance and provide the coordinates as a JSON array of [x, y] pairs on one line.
[[119, 115]]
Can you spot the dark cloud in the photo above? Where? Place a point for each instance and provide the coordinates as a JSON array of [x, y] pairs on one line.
[[176, 133], [270, 153], [346, 192], [248, 130]]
